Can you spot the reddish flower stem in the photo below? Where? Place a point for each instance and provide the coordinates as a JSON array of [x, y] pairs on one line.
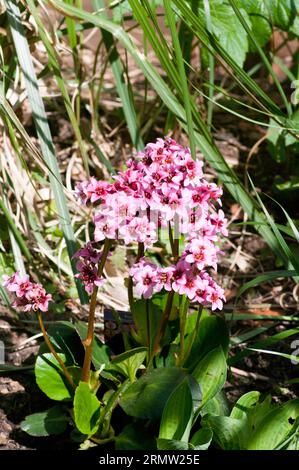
[[91, 318]]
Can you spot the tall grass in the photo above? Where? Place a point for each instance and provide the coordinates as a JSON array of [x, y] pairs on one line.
[[169, 34]]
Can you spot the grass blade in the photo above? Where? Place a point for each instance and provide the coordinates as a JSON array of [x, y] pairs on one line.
[[122, 89], [43, 131], [182, 73], [55, 67], [209, 150], [265, 277]]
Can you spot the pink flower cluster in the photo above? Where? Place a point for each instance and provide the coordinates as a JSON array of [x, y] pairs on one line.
[[162, 183], [184, 278], [89, 257], [161, 187], [29, 295]]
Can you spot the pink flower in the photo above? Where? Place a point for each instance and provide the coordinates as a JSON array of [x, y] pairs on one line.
[[105, 227], [88, 274], [37, 299], [186, 285], [219, 222], [145, 279], [81, 192], [140, 230], [202, 253], [162, 181], [216, 296], [97, 190], [164, 276], [89, 252], [17, 283], [29, 295]]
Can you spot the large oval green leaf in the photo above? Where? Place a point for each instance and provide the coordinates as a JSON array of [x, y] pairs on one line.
[[52, 421], [177, 419], [210, 373], [87, 409], [274, 427], [50, 378], [228, 433], [212, 333], [146, 397]]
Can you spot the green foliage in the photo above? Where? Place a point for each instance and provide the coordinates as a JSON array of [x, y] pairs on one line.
[[176, 420], [135, 437], [210, 373], [50, 379], [129, 362], [254, 425], [87, 409], [146, 398], [141, 398], [52, 421]]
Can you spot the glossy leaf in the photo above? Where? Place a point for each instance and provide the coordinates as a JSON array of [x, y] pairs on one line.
[[202, 439], [177, 420], [210, 373], [50, 378], [244, 404], [87, 409], [171, 444], [52, 421], [129, 362], [147, 397], [275, 427], [212, 333]]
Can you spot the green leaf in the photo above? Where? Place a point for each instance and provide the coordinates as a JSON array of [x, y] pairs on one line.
[[218, 405], [212, 332], [210, 373], [228, 29], [202, 439], [65, 340], [260, 24], [50, 378], [177, 420], [135, 437], [87, 409], [139, 314], [147, 397], [244, 404], [275, 427], [228, 433], [129, 362], [52, 421], [282, 13], [170, 444]]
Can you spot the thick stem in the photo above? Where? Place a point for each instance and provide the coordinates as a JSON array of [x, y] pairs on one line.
[[163, 324], [52, 350], [91, 319]]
